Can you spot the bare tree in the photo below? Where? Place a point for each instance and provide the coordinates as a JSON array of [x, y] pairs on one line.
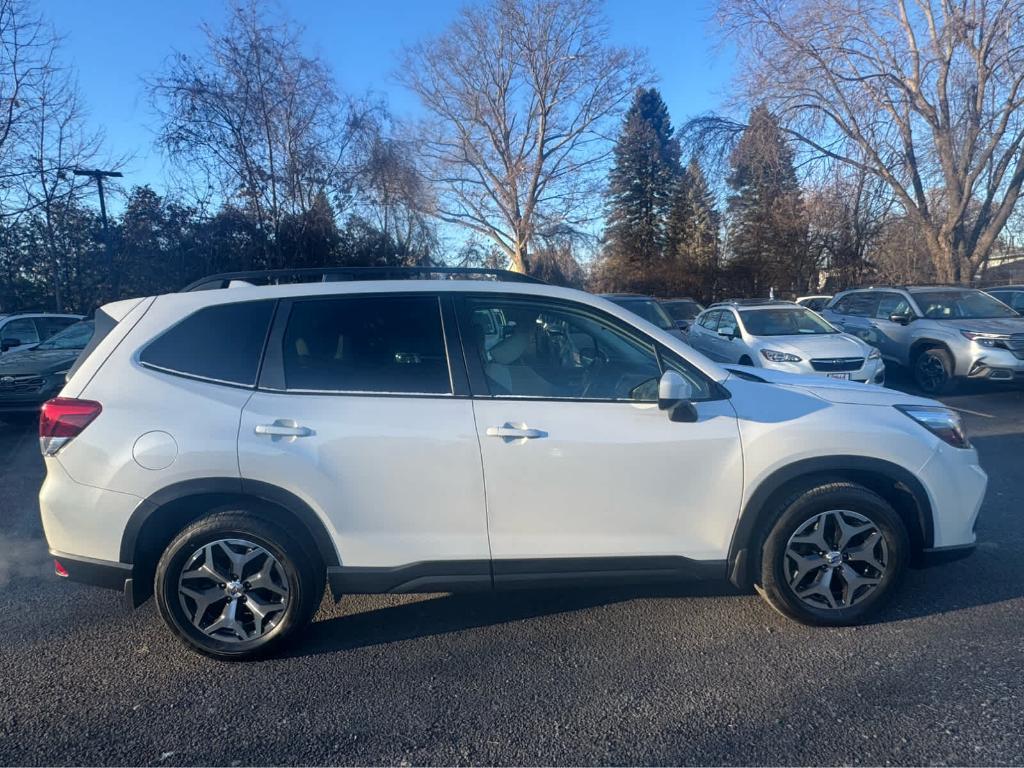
[[520, 94], [261, 120], [28, 47], [925, 94]]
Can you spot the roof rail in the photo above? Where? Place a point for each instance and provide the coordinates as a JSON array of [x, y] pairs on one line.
[[344, 274], [747, 302]]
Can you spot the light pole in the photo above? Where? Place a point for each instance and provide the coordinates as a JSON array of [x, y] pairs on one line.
[[99, 176]]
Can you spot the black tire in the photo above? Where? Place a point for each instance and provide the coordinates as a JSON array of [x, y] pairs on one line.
[[300, 571], [934, 372], [792, 515]]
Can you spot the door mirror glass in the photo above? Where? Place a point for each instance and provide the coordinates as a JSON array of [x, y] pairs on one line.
[[675, 395]]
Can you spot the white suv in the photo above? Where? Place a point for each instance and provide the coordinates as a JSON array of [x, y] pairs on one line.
[[231, 450]]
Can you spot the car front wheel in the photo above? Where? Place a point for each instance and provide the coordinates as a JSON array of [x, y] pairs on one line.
[[933, 371], [834, 554], [234, 586]]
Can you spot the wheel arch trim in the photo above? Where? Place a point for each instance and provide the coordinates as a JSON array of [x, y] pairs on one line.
[[743, 556], [230, 490]]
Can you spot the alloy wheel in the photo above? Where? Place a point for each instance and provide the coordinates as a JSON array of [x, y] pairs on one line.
[[835, 559], [233, 590], [931, 373]]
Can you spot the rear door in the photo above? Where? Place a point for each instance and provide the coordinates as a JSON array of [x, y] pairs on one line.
[[893, 339], [360, 414]]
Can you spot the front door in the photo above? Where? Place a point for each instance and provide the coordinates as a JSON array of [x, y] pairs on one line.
[[583, 473], [357, 415]]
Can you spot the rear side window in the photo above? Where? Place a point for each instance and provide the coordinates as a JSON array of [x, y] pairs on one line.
[[380, 344], [221, 343]]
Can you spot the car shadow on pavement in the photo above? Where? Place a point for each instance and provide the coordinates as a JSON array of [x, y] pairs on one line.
[[447, 613]]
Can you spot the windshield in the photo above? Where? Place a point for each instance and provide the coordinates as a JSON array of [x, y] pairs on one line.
[[73, 337], [649, 310], [960, 305], [682, 310], [784, 321]]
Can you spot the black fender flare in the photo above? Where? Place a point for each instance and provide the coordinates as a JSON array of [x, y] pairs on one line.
[[229, 490], [742, 554]]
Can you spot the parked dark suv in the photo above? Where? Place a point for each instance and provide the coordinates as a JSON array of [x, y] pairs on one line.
[[30, 378]]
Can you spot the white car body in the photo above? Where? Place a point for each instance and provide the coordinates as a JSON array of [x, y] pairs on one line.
[[416, 493], [721, 333]]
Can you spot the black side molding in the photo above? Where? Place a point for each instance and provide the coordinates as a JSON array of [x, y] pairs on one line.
[[533, 573]]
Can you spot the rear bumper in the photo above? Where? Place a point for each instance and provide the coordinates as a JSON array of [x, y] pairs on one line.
[[98, 573]]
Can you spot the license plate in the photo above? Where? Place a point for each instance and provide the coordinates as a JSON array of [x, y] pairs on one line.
[[839, 376]]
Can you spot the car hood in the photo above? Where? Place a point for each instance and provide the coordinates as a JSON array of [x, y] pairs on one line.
[[996, 325], [815, 345], [837, 391], [38, 361]]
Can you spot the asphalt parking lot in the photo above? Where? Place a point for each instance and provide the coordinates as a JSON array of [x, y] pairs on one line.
[[669, 676]]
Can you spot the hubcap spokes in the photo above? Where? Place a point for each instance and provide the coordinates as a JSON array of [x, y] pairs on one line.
[[932, 373], [233, 590], [835, 559]]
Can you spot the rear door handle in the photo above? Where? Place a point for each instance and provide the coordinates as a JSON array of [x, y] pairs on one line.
[[509, 432], [283, 428]]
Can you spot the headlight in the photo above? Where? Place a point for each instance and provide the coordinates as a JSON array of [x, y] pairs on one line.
[[941, 422], [985, 339], [779, 357], [874, 354]]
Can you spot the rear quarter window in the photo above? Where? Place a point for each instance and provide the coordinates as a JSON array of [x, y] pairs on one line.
[[221, 343]]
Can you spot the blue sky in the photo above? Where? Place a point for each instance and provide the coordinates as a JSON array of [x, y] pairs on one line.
[[115, 45]]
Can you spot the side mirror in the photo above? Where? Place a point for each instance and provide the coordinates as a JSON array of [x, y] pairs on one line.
[[682, 325], [901, 319], [9, 343], [675, 395]]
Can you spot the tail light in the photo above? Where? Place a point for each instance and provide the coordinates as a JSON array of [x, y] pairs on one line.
[[61, 419]]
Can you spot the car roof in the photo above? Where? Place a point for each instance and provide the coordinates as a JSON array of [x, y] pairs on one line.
[[626, 297], [1003, 288]]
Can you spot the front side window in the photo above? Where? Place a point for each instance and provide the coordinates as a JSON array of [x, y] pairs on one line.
[[549, 350], [710, 320], [784, 321], [892, 304], [727, 325], [857, 304], [24, 330], [221, 343], [378, 344], [50, 325], [960, 305]]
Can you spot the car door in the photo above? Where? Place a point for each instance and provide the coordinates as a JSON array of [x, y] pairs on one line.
[[892, 338], [703, 334], [728, 343], [359, 414], [855, 313], [579, 462]]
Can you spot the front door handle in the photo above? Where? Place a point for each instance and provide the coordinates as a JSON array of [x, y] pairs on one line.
[[509, 432], [283, 428]]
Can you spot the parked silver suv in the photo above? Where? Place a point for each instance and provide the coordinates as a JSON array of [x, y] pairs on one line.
[[942, 334]]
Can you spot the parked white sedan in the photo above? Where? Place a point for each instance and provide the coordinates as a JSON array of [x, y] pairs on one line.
[[785, 337]]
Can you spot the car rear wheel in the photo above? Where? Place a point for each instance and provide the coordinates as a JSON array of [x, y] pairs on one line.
[[834, 555], [235, 586], [933, 371]]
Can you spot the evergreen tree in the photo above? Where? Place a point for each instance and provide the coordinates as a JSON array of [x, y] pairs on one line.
[[640, 187], [692, 234], [767, 225]]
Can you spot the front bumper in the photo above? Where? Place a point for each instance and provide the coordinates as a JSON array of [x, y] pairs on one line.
[[872, 372], [943, 555], [956, 486], [28, 402], [994, 364]]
